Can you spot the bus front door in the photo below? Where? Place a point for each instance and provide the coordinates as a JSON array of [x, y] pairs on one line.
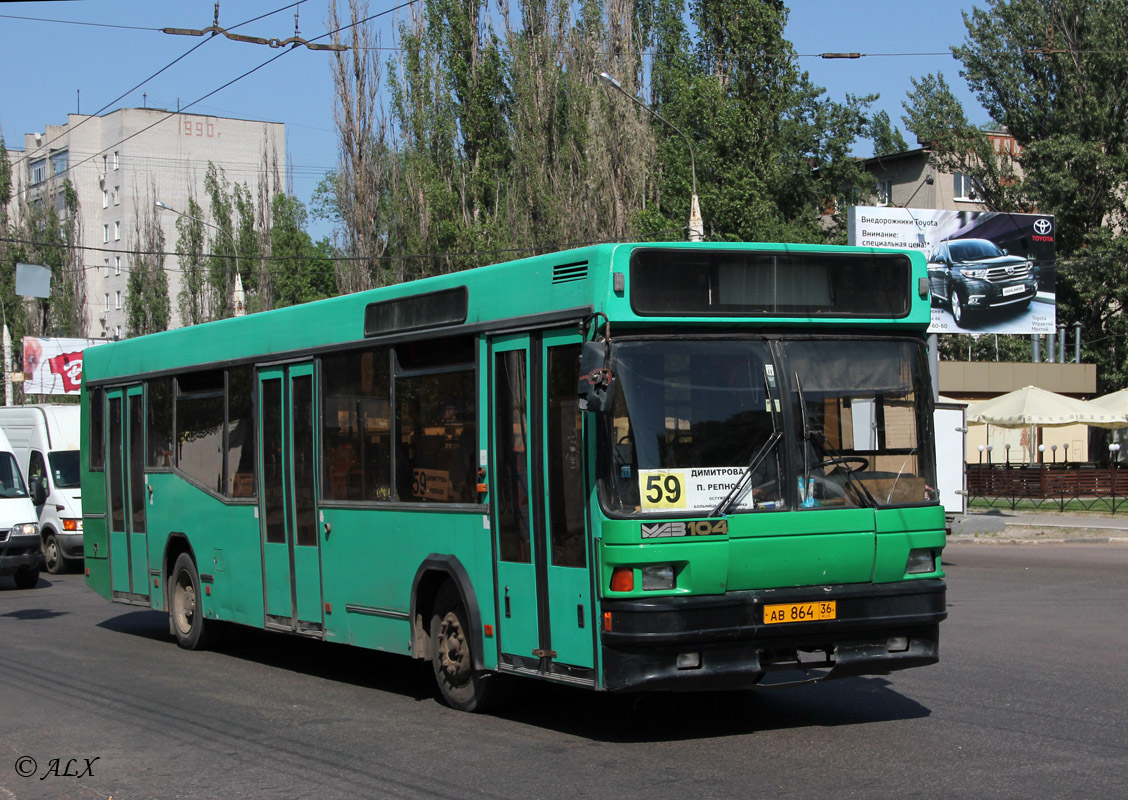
[[125, 484], [545, 615], [291, 552]]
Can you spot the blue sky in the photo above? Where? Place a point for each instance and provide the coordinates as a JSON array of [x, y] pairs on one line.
[[53, 69]]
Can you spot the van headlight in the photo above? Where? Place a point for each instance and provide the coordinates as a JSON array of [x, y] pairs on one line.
[[25, 529]]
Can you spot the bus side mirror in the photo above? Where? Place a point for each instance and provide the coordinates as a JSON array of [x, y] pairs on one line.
[[596, 378]]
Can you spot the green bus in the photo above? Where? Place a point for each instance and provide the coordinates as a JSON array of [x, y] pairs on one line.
[[646, 466]]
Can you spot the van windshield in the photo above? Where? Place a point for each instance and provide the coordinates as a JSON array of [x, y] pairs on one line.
[[11, 481], [64, 468]]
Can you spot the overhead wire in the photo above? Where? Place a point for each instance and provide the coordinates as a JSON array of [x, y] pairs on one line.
[[70, 167], [126, 93]]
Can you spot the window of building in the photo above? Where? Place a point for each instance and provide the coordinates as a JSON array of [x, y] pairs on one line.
[[116, 160], [106, 264], [106, 232], [117, 333], [963, 187], [105, 161], [117, 301], [59, 162], [885, 193], [61, 202], [105, 199], [107, 301], [38, 171], [117, 265], [117, 231], [117, 195]]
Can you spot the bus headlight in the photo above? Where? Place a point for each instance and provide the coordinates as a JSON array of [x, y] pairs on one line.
[[657, 577], [920, 561]]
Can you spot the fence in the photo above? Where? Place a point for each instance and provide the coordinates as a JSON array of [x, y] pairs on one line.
[[1076, 486]]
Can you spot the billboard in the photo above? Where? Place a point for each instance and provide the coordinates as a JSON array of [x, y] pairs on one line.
[[54, 366], [988, 272]]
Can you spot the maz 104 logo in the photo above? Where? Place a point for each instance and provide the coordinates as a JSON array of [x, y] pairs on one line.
[[704, 527]]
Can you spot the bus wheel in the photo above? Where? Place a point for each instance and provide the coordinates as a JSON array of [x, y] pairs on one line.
[[462, 687], [52, 556], [193, 632]]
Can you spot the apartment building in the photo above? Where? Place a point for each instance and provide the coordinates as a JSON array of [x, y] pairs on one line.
[[120, 164], [910, 180]]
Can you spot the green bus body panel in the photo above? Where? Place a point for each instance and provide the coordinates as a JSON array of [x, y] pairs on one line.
[[778, 550], [210, 525], [372, 556], [900, 530]]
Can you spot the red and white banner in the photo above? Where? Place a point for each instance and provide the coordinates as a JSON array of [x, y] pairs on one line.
[[53, 366]]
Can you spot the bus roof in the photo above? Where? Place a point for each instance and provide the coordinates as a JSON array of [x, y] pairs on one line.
[[569, 284]]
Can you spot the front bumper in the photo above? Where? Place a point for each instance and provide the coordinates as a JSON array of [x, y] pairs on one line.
[[984, 294], [737, 649], [19, 552], [70, 544]]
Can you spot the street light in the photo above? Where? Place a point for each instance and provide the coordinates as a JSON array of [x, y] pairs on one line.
[[696, 224], [238, 298]]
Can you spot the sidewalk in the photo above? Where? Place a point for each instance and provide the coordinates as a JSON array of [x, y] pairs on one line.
[[1000, 525]]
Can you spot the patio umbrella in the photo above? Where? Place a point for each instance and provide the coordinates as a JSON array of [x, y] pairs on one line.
[[1116, 401], [1032, 406]]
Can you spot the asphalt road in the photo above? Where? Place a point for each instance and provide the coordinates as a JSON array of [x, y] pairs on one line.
[[1028, 701]]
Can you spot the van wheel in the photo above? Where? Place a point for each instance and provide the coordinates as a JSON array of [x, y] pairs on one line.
[[462, 687], [52, 555], [27, 578], [193, 632]]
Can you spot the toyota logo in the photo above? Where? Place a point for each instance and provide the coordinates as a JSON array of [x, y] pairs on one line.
[[1042, 227]]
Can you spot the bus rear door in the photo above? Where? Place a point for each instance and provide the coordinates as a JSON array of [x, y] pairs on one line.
[[125, 485]]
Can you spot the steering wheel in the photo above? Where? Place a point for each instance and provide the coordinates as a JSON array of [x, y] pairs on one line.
[[846, 460]]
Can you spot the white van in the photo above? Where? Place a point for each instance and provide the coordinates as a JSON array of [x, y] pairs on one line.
[[19, 534], [45, 441]]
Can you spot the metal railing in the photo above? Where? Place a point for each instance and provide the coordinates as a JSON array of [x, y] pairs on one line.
[[1083, 486]]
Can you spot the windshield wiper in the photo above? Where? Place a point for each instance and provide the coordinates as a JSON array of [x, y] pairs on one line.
[[861, 494], [745, 480]]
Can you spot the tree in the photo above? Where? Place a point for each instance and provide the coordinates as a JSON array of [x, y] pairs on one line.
[[937, 117], [1055, 73], [887, 139], [190, 243], [147, 305], [303, 271]]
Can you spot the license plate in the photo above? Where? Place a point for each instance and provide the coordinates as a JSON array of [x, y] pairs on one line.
[[1008, 290], [800, 612]]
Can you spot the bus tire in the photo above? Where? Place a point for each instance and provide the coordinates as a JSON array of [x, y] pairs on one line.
[[193, 632], [462, 687]]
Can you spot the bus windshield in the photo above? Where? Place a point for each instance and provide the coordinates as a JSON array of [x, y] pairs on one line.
[[861, 417], [698, 426]]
